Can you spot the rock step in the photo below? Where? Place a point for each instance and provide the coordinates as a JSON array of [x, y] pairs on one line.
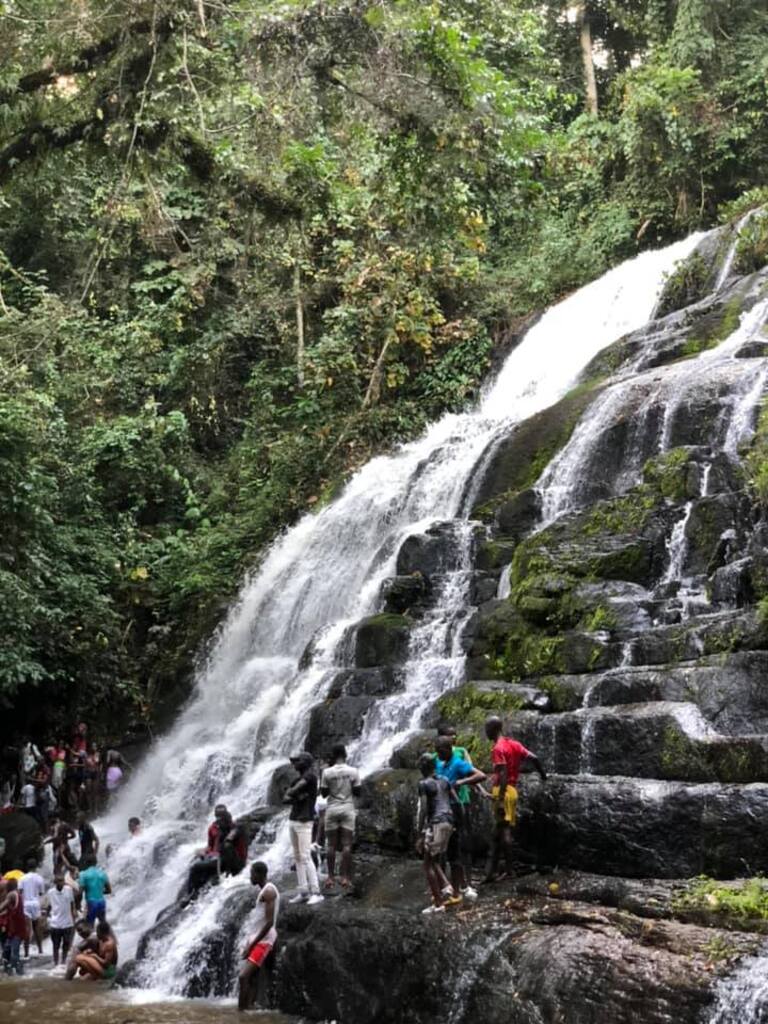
[[731, 695], [660, 740]]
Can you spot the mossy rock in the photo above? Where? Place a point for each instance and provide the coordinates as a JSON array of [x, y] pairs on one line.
[[381, 640], [690, 281], [494, 554], [521, 458], [674, 475], [472, 704]]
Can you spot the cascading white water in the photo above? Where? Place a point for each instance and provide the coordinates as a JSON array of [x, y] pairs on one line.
[[251, 704], [562, 484], [730, 258], [742, 996]]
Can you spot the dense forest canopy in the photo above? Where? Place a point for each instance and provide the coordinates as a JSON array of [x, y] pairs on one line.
[[245, 245]]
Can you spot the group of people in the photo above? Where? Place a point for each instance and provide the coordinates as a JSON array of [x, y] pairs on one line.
[[63, 777], [325, 809], [322, 823], [71, 909]]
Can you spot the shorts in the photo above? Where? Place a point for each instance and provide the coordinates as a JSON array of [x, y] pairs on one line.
[[32, 910], [437, 837], [110, 971], [340, 816], [259, 953], [96, 908], [510, 804]]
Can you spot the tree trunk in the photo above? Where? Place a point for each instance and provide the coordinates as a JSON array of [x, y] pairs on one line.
[[585, 39]]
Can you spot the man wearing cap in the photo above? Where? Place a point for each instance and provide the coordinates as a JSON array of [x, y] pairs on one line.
[[302, 796]]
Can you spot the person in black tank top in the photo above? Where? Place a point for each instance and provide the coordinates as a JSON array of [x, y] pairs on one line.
[[302, 797]]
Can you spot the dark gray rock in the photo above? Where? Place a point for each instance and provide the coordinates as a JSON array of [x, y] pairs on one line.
[[282, 779], [23, 839], [407, 756], [731, 585], [436, 551], [365, 682], [336, 721], [401, 593], [381, 640], [518, 516], [387, 810], [640, 827]]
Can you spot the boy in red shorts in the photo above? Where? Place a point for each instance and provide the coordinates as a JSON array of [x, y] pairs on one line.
[[261, 942]]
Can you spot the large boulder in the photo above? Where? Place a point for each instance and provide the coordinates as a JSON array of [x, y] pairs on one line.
[[336, 721], [381, 640], [387, 810], [642, 827], [23, 840]]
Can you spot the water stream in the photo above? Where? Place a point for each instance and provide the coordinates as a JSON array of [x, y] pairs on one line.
[[742, 997], [251, 704]]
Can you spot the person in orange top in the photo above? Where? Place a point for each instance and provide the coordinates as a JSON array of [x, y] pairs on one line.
[[508, 757]]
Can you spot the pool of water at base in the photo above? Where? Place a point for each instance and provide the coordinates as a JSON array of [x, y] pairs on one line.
[[36, 997]]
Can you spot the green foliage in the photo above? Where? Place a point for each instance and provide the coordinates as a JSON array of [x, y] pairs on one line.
[[745, 900], [667, 474], [752, 247], [471, 706], [757, 459]]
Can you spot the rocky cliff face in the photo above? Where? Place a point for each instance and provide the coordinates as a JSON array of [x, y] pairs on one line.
[[616, 568]]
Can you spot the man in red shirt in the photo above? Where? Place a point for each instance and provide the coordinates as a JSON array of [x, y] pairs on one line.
[[508, 758]]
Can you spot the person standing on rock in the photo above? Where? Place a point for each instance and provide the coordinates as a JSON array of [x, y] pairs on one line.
[[32, 888], [262, 941], [340, 784], [95, 885], [460, 774], [302, 796], [12, 910], [435, 825], [508, 757], [89, 841], [61, 918]]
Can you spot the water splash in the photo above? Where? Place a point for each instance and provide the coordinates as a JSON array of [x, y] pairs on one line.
[[742, 997]]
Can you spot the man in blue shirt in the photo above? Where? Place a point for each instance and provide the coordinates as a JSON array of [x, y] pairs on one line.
[[450, 765], [95, 884]]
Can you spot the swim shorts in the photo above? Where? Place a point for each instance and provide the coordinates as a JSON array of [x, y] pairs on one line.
[[96, 908], [110, 971], [259, 953], [32, 910], [510, 804], [340, 816], [437, 837]]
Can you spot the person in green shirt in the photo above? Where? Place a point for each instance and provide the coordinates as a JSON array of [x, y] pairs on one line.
[[454, 763]]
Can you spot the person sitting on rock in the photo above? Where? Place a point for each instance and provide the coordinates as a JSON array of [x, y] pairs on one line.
[[86, 941], [435, 825], [101, 962], [302, 796], [508, 756], [340, 784], [262, 941], [225, 853], [460, 774]]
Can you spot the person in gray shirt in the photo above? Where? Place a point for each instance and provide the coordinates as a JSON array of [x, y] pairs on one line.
[[340, 784]]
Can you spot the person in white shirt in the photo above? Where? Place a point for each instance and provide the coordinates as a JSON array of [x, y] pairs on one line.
[[340, 784], [61, 918], [261, 942], [32, 888]]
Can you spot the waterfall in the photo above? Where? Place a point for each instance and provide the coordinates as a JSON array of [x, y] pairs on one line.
[[565, 483], [742, 996], [252, 700], [727, 267], [677, 546]]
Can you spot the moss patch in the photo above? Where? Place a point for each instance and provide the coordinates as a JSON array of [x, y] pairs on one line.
[[667, 474], [745, 900], [470, 705]]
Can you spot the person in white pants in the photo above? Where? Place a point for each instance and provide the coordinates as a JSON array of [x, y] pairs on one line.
[[302, 796]]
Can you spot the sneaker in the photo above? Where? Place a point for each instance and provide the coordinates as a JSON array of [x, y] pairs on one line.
[[432, 909], [469, 894], [316, 898], [447, 891], [300, 897]]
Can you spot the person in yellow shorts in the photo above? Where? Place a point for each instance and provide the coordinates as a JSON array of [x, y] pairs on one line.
[[508, 758], [507, 811]]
